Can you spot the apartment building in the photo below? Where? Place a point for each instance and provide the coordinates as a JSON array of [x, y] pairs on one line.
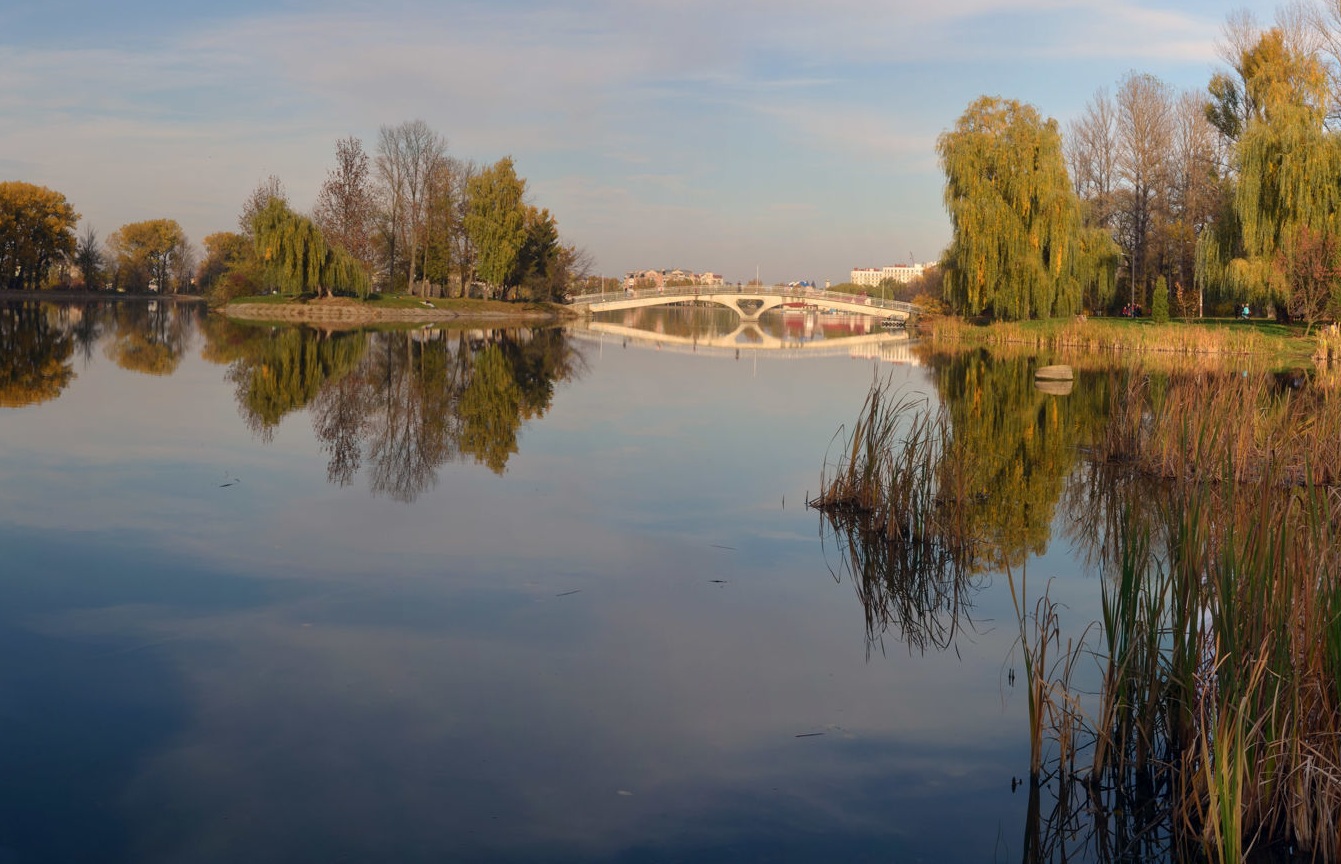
[[873, 276]]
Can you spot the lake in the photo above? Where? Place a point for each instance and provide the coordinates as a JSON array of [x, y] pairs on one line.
[[484, 595]]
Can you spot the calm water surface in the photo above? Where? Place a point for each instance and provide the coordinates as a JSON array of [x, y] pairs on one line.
[[467, 596]]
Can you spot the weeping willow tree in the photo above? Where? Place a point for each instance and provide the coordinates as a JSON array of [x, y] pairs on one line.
[[296, 252], [1288, 164], [1020, 248]]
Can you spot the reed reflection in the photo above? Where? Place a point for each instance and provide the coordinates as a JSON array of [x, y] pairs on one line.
[[1216, 524], [400, 403], [1209, 505], [927, 504]]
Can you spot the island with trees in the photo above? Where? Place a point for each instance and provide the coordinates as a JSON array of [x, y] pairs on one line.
[[406, 232]]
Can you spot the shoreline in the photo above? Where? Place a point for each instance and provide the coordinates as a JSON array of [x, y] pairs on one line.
[[356, 314], [61, 294], [338, 311]]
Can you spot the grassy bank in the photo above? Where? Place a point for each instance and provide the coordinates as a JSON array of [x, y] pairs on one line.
[[1282, 344], [396, 301], [392, 308]]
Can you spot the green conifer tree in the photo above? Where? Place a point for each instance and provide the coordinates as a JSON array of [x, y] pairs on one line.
[[1159, 303]]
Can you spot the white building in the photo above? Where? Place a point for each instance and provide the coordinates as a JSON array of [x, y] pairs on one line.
[[873, 276]]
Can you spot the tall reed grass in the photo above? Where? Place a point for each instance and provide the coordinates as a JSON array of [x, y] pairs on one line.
[[1221, 604], [888, 497], [1225, 428], [1106, 336], [1213, 511]]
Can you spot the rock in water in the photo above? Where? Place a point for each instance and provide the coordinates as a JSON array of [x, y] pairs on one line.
[[1054, 373]]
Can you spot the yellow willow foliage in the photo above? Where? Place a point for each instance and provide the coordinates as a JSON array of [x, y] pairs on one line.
[[1277, 77], [302, 259], [1017, 250], [1289, 170], [1289, 176]]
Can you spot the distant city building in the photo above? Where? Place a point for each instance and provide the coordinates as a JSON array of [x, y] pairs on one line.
[[662, 278], [873, 276]]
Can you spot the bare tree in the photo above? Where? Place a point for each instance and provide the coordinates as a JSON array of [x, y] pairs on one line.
[[1091, 156], [90, 259], [1323, 20], [346, 204], [407, 156], [1145, 127], [1197, 191], [258, 200], [185, 259]]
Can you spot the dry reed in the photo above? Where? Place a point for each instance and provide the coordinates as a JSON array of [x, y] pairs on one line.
[[1213, 507]]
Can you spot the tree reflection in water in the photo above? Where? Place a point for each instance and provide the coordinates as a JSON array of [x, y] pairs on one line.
[[403, 403], [150, 337], [926, 506], [36, 346]]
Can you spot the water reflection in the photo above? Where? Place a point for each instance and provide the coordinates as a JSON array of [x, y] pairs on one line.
[[403, 403], [1207, 503], [39, 340], [979, 480], [714, 329], [36, 348], [150, 337], [400, 403], [612, 654]]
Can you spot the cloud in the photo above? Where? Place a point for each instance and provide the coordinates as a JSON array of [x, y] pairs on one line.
[[736, 100]]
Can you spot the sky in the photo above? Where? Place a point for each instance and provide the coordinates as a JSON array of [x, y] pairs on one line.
[[792, 139]]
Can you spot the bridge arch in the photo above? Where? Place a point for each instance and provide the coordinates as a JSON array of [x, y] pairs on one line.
[[759, 300]]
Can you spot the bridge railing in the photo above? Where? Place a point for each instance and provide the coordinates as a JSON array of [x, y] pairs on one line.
[[809, 296]]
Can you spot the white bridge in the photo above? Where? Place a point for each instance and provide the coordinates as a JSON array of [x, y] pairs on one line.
[[748, 303]]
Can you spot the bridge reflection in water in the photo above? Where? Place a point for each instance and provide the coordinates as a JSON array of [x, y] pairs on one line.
[[893, 347]]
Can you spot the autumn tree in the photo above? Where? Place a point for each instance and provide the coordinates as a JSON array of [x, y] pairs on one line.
[[36, 233], [346, 203], [1091, 148], [230, 267], [301, 258], [1311, 267], [150, 255], [496, 220], [1017, 249]]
